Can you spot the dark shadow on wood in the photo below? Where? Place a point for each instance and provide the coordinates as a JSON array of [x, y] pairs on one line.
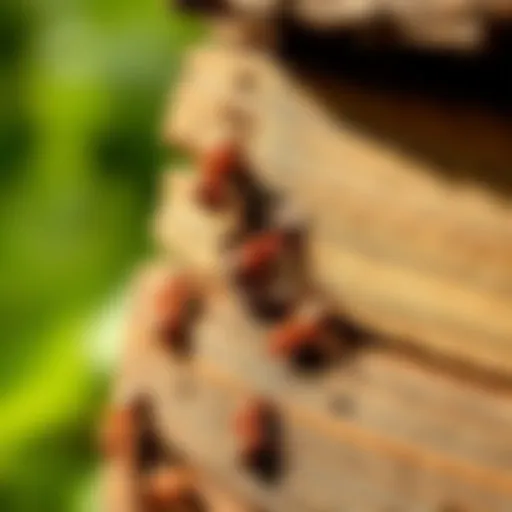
[[450, 110]]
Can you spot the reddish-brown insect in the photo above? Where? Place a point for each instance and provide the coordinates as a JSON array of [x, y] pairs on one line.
[[251, 427], [118, 435], [257, 258], [217, 169], [299, 333], [260, 441], [168, 488], [176, 306]]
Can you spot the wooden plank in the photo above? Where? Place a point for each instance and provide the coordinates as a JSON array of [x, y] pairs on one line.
[[441, 255], [331, 461]]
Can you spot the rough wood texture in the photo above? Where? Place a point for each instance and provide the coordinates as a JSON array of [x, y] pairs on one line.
[[366, 289], [397, 372], [434, 267], [376, 433]]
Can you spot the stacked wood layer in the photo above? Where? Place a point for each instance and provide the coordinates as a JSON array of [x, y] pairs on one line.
[[378, 429]]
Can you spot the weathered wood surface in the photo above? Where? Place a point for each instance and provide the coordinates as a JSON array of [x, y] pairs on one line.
[[399, 378], [121, 480], [377, 433], [425, 252]]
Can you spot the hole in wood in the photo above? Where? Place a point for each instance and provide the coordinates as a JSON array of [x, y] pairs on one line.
[[185, 388], [240, 121], [246, 81], [342, 406]]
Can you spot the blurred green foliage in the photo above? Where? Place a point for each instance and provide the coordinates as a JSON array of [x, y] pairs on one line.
[[82, 90]]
